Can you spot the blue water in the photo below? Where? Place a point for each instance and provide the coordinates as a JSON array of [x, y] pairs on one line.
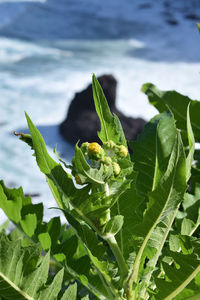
[[48, 51]]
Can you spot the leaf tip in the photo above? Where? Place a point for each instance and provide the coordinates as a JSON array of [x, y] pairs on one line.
[[198, 26], [145, 87]]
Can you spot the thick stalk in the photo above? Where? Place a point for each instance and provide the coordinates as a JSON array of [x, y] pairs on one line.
[[117, 253], [110, 238]]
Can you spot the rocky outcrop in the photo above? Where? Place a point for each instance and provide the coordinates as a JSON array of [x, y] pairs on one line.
[[82, 122]]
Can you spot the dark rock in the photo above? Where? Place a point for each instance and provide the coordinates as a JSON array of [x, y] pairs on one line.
[[82, 122]]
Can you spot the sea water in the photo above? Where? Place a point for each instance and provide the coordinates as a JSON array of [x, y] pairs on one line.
[[48, 51]]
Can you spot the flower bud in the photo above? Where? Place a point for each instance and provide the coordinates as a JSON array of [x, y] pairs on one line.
[[107, 160], [106, 169], [78, 179], [84, 148], [109, 145], [95, 150], [122, 151], [116, 168]]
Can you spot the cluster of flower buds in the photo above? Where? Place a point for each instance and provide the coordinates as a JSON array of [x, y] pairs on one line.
[[109, 154]]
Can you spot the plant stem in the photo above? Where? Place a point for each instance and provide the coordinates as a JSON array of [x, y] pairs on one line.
[[117, 253], [110, 238], [120, 233]]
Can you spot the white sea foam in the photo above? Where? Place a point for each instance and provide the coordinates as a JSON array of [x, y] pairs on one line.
[[41, 77]]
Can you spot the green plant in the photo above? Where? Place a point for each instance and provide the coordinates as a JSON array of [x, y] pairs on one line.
[[134, 219]]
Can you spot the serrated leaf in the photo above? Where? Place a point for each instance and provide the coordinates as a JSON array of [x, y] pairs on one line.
[[11, 202], [29, 224], [37, 278], [52, 291], [26, 138], [70, 293], [25, 215], [151, 152], [20, 275], [45, 240], [164, 201], [110, 125], [63, 242], [177, 104], [128, 205], [60, 182], [170, 190]]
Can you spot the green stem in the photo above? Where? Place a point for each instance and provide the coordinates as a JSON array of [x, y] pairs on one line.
[[114, 245], [117, 253], [120, 233]]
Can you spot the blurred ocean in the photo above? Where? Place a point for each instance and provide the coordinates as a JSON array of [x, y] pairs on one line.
[[49, 50]]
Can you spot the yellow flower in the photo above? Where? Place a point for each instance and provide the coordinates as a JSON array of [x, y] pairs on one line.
[[95, 149]]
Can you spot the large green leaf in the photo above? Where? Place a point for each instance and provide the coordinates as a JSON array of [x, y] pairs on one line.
[[23, 273], [111, 128], [151, 152], [163, 201], [177, 104], [128, 206], [19, 209], [60, 182], [61, 241]]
